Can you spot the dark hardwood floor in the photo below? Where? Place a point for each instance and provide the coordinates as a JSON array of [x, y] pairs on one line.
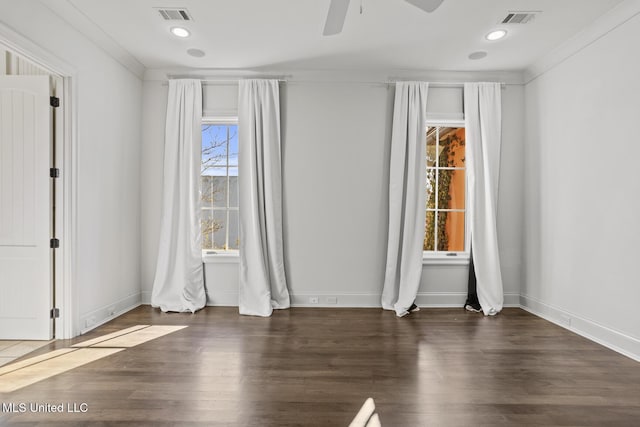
[[315, 367]]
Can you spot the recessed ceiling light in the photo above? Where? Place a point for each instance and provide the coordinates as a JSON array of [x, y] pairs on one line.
[[197, 53], [180, 32], [496, 35], [478, 55]]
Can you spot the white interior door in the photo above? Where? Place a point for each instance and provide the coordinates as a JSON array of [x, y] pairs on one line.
[[25, 206]]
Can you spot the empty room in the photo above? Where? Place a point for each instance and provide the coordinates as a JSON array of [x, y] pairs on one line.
[[319, 212]]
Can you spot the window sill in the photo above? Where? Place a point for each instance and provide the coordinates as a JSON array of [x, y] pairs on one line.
[[444, 259], [220, 257]]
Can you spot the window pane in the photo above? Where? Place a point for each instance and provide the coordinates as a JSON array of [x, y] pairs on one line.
[[431, 147], [218, 223], [214, 191], [214, 146], [452, 147], [451, 231], [234, 230], [431, 188], [429, 235], [233, 191], [233, 145], [207, 229], [206, 191], [451, 189]]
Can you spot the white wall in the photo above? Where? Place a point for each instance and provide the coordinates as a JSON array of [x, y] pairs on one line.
[[109, 101], [582, 185], [336, 151]]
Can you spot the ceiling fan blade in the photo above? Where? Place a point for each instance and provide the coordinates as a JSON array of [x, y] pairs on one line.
[[426, 5], [335, 17]]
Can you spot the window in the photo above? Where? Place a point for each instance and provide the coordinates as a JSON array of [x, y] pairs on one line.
[[219, 185], [445, 226]]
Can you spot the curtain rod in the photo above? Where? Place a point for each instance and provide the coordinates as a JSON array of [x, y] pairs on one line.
[[288, 79], [440, 84], [228, 79]]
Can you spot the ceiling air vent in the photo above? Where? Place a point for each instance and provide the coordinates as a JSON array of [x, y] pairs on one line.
[[177, 14], [519, 17]]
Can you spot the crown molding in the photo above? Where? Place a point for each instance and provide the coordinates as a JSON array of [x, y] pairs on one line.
[[616, 17], [68, 12]]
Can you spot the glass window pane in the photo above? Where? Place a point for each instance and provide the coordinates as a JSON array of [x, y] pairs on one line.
[[429, 232], [207, 229], [233, 191], [217, 227], [206, 191], [214, 146], [214, 192], [451, 189], [452, 147], [233, 145], [234, 230], [431, 188], [431, 147], [451, 231]]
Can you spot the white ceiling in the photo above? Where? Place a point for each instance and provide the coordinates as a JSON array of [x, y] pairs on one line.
[[287, 34]]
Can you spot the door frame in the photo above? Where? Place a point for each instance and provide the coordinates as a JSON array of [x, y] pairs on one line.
[[67, 325]]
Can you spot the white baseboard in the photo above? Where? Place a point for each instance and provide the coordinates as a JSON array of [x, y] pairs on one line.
[[615, 340], [95, 318], [145, 297], [359, 300]]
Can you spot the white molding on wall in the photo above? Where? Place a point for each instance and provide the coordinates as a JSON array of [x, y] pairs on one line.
[[603, 335], [95, 318], [350, 300], [145, 298], [33, 52], [73, 16], [608, 22]]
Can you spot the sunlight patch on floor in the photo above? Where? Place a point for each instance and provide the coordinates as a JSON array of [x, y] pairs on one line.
[[20, 374]]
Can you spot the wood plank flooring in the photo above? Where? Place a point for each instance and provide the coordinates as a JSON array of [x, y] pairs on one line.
[[315, 367]]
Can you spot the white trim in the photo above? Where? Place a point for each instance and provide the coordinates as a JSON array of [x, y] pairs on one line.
[[220, 120], [109, 312], [220, 257], [229, 298], [33, 52], [67, 299], [77, 19], [608, 22], [441, 258], [601, 334]]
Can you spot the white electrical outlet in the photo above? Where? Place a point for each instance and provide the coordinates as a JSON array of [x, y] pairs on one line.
[[313, 300], [332, 300]]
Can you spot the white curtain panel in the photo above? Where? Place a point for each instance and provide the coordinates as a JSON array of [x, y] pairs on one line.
[[263, 286], [179, 281], [406, 197], [483, 122]]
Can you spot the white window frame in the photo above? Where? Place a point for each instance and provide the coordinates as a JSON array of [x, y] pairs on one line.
[[222, 255], [451, 257]]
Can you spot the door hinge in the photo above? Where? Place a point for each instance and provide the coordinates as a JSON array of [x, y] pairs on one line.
[[55, 313], [54, 101], [54, 243], [54, 173]]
